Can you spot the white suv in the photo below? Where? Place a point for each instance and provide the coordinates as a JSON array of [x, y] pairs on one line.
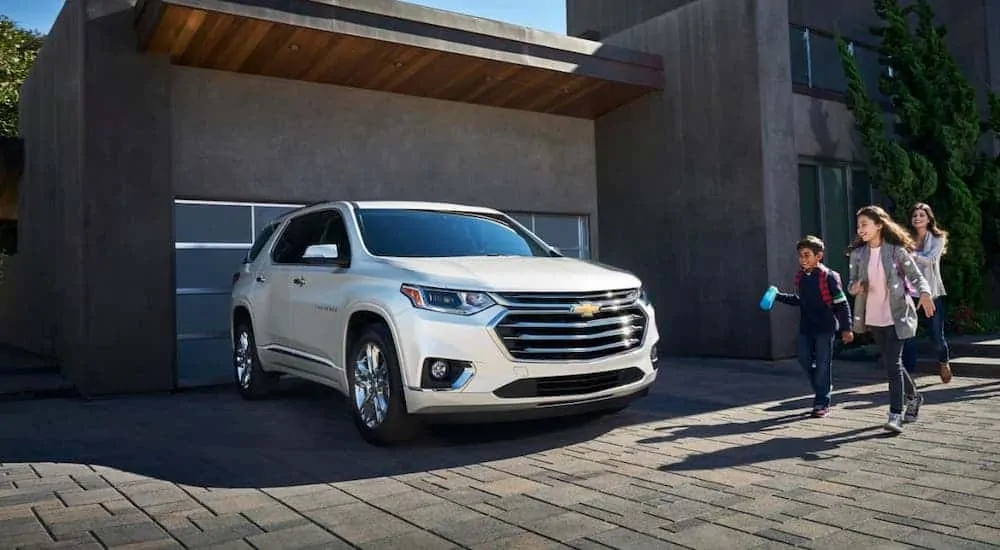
[[436, 311]]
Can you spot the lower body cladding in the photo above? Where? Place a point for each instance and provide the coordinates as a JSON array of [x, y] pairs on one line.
[[458, 369]]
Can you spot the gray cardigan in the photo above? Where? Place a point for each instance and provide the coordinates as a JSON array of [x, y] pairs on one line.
[[904, 312], [928, 258]]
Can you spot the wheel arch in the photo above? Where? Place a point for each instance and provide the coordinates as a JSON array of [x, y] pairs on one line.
[[364, 315]]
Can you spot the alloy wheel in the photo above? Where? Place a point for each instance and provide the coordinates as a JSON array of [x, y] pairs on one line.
[[371, 385], [243, 360]]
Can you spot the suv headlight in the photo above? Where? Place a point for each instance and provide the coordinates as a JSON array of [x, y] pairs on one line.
[[443, 300]]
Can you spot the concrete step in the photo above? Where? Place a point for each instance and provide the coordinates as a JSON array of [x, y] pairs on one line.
[[17, 361], [30, 385], [965, 366], [975, 346]]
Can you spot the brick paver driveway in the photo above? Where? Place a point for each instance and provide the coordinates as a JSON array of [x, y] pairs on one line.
[[718, 457]]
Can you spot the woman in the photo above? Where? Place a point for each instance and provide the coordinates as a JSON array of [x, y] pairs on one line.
[[881, 268], [931, 244]]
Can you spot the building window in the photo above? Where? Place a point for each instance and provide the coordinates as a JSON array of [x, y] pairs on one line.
[[829, 196], [816, 63], [570, 234]]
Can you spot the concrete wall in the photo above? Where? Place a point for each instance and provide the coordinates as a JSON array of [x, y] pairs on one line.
[[92, 273], [129, 298], [246, 137], [45, 283], [696, 183]]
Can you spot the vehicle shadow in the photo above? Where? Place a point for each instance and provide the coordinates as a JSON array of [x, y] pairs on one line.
[[304, 435]]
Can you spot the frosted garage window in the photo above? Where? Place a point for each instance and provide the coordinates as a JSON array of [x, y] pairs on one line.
[[570, 234]]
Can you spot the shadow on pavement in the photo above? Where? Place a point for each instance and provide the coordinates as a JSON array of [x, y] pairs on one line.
[[936, 392], [304, 435], [773, 449]]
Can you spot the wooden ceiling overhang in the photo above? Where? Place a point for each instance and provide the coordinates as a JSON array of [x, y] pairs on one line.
[[402, 48]]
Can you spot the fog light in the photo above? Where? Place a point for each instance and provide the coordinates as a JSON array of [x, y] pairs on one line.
[[654, 353], [439, 370]]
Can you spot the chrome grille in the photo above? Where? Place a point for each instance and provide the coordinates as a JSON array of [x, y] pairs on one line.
[[553, 326]]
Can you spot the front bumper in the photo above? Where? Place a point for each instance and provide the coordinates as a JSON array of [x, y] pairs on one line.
[[424, 334]]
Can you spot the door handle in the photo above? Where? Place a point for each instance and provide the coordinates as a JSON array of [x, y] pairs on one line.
[[261, 278], [300, 281]]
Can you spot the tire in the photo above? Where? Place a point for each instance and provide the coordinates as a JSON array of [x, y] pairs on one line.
[[377, 425], [252, 381]]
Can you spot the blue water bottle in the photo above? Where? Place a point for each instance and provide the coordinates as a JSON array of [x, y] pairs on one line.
[[767, 300]]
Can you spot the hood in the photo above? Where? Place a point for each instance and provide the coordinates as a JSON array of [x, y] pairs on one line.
[[514, 274]]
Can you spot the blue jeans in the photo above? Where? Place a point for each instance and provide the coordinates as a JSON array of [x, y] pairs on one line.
[[816, 357], [935, 327]]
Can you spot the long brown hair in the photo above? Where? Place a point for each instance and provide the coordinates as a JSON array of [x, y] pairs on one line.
[[892, 232], [932, 224]]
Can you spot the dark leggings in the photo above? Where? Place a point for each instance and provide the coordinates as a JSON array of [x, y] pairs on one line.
[[890, 348]]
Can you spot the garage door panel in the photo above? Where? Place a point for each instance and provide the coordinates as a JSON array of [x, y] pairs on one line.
[[202, 314], [204, 362], [211, 240], [207, 267], [212, 223]]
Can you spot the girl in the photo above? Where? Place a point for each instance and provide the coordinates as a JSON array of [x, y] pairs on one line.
[[931, 244], [880, 268]]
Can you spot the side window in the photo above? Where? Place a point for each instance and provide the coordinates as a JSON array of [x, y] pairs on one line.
[[324, 227], [260, 241]]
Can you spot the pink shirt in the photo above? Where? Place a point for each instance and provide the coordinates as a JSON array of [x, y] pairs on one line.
[[878, 313]]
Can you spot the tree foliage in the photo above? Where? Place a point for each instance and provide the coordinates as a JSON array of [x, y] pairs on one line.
[[932, 154], [18, 49]]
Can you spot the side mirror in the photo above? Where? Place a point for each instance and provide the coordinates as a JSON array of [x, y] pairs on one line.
[[323, 254]]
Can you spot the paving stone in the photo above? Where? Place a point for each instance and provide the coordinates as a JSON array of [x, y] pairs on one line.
[[939, 541], [315, 500], [477, 531], [510, 486], [120, 535], [428, 517], [746, 522], [414, 540], [804, 530], [883, 529], [275, 517], [359, 523], [82, 541], [626, 539], [407, 500], [711, 537], [570, 525], [303, 536]]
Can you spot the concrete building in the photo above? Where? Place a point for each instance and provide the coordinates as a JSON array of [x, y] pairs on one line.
[[160, 135]]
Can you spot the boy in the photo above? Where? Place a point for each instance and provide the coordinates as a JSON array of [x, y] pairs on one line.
[[824, 311]]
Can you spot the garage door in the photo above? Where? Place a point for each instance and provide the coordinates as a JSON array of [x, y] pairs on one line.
[[211, 239]]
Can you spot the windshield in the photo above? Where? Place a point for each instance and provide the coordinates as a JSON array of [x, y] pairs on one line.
[[437, 234]]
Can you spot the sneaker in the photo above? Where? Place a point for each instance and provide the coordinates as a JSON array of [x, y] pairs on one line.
[[821, 412], [913, 408], [895, 423], [945, 372]]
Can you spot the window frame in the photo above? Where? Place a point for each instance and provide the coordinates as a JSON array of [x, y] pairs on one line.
[[336, 215]]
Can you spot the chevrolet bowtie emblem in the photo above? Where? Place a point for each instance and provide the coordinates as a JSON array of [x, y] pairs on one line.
[[586, 310]]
